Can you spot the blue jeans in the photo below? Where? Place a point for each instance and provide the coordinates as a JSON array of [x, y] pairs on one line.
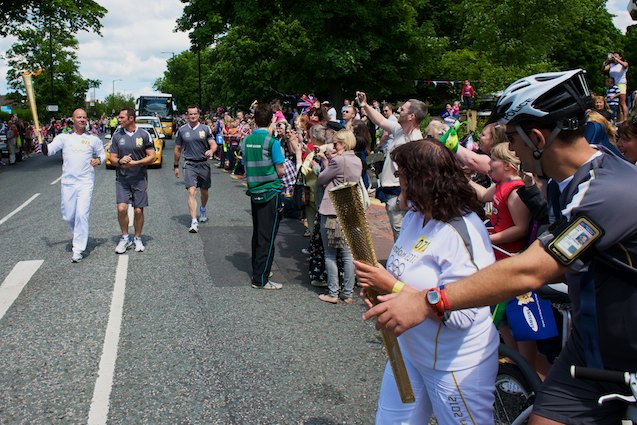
[[332, 269], [395, 215]]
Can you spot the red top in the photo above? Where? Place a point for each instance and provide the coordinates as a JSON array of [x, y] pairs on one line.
[[467, 91], [501, 217]]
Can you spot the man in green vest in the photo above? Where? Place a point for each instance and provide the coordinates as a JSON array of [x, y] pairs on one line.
[[263, 159], [113, 125]]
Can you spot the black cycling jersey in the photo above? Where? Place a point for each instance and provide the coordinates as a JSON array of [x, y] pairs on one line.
[[604, 297]]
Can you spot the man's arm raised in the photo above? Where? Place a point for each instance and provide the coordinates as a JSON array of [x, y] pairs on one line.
[[376, 117]]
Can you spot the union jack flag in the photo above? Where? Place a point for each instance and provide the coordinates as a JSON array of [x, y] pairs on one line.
[[306, 102]]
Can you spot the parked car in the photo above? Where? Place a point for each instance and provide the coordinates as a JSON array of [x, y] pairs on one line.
[[157, 140], [154, 121]]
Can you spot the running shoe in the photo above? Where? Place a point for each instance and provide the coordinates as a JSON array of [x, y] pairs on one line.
[[139, 245], [123, 245], [202, 215], [269, 285], [77, 257], [194, 227]]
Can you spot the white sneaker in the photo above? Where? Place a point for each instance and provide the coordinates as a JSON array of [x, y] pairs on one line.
[[269, 285], [123, 245], [202, 215], [139, 245], [77, 257], [194, 227]]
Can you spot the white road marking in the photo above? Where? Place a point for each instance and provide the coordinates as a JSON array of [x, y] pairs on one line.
[[15, 283], [17, 210], [56, 180], [98, 413]]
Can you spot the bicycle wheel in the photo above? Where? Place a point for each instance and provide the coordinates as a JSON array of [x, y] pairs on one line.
[[515, 387]]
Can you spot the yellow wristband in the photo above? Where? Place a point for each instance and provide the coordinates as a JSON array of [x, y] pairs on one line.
[[398, 286]]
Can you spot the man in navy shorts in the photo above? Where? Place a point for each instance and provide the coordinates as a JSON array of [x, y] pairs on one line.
[[132, 149], [197, 143]]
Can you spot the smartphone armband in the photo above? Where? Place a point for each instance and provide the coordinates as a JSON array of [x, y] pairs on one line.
[[574, 239]]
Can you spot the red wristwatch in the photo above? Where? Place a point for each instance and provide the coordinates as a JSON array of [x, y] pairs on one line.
[[434, 298]]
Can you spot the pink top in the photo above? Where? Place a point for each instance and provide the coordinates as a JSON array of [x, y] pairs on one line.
[[279, 116]]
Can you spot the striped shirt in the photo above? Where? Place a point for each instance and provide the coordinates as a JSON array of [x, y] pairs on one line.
[[612, 91]]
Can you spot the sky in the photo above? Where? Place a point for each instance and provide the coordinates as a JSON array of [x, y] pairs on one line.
[[129, 55], [134, 35]]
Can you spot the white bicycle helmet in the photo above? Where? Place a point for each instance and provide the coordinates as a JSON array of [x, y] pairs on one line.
[[558, 99]]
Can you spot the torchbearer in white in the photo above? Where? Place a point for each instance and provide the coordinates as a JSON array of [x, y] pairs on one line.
[[82, 152]]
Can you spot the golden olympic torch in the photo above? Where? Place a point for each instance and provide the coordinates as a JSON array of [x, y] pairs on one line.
[[351, 216], [28, 85]]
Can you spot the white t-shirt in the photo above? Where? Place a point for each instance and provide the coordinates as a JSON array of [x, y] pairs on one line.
[[618, 73], [331, 114], [435, 254], [390, 135], [387, 178], [77, 152]]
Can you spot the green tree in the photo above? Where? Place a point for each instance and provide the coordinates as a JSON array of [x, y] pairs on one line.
[[586, 42], [630, 52], [27, 53], [115, 102], [500, 42], [75, 15], [329, 48], [181, 79], [259, 48]]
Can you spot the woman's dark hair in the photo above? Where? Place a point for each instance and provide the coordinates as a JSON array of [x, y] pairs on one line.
[[627, 130], [321, 113], [435, 183], [362, 134]]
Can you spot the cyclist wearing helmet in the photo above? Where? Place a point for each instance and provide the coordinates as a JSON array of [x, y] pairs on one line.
[[594, 244]]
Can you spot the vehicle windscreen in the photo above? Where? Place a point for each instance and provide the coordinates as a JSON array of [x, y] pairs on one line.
[[159, 106]]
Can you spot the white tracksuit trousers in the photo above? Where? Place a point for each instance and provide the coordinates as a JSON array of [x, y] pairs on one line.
[[76, 207]]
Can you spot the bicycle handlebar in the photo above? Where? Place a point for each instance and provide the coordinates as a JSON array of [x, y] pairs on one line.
[[580, 372]]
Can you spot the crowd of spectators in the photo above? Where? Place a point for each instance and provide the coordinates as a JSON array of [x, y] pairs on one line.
[[325, 145], [21, 139]]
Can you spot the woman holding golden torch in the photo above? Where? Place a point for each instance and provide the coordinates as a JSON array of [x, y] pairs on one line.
[[451, 362]]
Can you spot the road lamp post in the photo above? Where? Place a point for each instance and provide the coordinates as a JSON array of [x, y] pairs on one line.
[[113, 97]]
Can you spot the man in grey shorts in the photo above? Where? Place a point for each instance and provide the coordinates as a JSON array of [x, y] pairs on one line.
[[132, 149], [198, 144]]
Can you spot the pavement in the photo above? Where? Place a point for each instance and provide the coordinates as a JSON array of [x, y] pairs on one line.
[[193, 342]]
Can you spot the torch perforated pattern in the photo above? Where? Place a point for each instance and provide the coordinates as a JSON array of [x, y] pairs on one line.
[[351, 216]]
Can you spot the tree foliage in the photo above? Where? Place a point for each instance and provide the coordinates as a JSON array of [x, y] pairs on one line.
[[327, 47], [45, 32], [260, 49], [31, 52], [181, 78], [75, 15]]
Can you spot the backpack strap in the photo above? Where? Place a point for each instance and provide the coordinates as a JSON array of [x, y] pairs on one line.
[[461, 229]]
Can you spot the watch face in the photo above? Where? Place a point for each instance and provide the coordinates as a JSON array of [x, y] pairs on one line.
[[433, 297]]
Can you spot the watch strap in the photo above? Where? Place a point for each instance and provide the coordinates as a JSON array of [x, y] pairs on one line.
[[443, 296]]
